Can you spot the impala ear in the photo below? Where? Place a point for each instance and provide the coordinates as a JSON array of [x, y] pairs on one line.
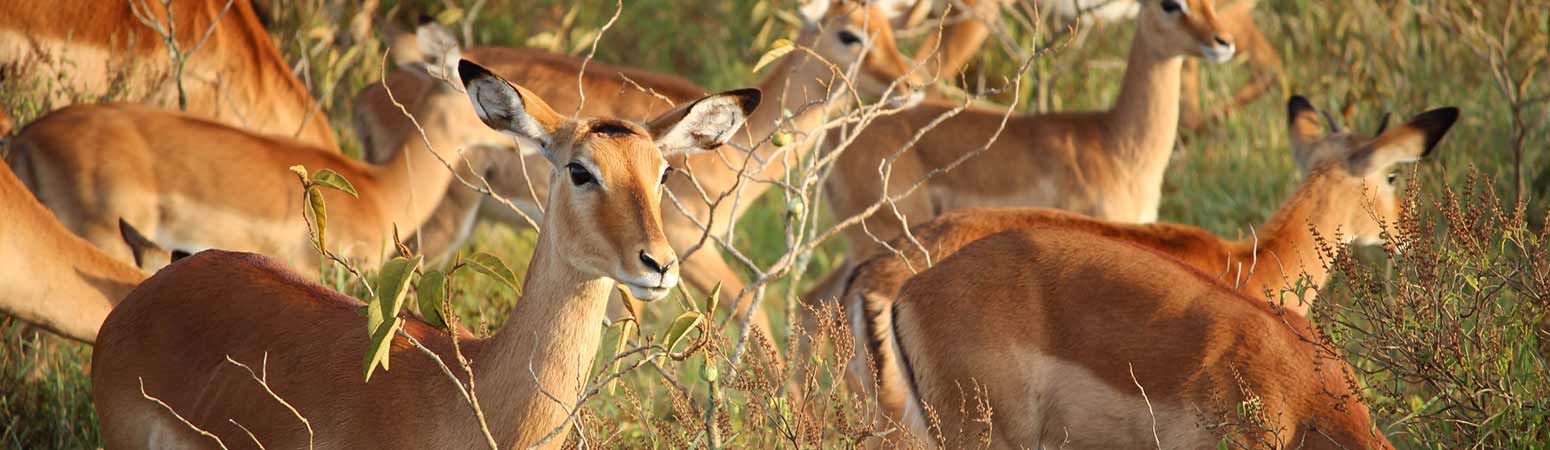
[[1406, 143], [509, 108], [704, 124], [149, 257], [813, 11]]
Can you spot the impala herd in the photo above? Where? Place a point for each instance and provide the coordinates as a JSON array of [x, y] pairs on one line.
[[1032, 277]]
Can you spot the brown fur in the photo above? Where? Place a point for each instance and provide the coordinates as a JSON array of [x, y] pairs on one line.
[[1108, 164], [792, 83], [190, 183], [85, 49], [960, 38], [56, 280], [1333, 201], [1062, 318], [175, 332]]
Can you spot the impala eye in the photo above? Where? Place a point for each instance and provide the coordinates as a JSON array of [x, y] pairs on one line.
[[666, 173], [848, 38], [1393, 176], [579, 175], [1171, 7]]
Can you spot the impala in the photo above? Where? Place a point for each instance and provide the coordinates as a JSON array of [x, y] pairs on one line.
[[844, 33], [966, 29], [192, 184], [56, 281], [88, 49], [1108, 164], [1337, 202], [172, 336], [1055, 329]]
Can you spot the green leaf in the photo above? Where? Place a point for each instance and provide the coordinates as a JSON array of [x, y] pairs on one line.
[[431, 295], [628, 300], [490, 265], [377, 350], [330, 178], [449, 16], [382, 313], [625, 328], [777, 49], [680, 328], [714, 300], [319, 215], [301, 172]]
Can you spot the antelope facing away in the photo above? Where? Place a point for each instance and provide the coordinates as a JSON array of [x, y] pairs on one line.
[[1053, 329], [1108, 164], [174, 333], [192, 184], [845, 33], [57, 281], [88, 49], [965, 30], [1348, 193]]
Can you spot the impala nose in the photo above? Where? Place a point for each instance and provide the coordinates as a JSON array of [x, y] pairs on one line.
[[651, 263]]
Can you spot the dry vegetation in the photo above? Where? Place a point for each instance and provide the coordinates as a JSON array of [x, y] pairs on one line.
[[1448, 324]]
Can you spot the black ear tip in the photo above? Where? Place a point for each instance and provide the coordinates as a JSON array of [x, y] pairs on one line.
[[1298, 104], [468, 71], [1435, 124], [748, 98]]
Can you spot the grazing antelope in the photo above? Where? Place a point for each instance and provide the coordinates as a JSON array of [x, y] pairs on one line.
[[84, 50], [192, 184], [1053, 329], [57, 281], [174, 333], [1108, 164], [966, 29], [845, 33], [1348, 192]]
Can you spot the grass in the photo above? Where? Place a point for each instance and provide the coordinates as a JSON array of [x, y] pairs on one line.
[[1359, 58]]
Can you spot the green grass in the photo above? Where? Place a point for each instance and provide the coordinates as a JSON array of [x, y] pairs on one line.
[[1365, 56]]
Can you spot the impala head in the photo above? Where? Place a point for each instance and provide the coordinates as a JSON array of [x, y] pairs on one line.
[[605, 192], [854, 33], [1364, 164], [149, 257], [1187, 27]]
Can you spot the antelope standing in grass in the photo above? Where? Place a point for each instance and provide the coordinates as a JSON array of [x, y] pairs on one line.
[[964, 31], [1348, 196], [1108, 164], [172, 336], [78, 50], [192, 184], [844, 33], [1054, 329]]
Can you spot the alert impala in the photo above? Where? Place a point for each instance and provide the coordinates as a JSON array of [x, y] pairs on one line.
[[964, 31], [1108, 164], [171, 338], [1338, 202], [87, 49], [844, 33]]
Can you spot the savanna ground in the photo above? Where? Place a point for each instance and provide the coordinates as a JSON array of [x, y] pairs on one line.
[[1449, 336]]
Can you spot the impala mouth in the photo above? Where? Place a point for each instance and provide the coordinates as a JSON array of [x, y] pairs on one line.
[[1217, 54], [647, 293]]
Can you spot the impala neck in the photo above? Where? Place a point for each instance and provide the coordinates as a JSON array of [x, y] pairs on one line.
[[544, 348], [1145, 119], [1288, 243], [413, 182], [799, 83]]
